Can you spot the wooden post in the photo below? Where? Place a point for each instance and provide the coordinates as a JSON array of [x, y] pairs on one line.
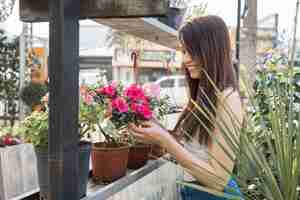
[[294, 42], [238, 40], [64, 91], [248, 42]]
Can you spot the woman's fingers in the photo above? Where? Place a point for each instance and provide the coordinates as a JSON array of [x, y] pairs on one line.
[[136, 129], [147, 124], [138, 136]]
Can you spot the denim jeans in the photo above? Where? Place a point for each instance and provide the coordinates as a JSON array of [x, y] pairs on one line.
[[188, 193]]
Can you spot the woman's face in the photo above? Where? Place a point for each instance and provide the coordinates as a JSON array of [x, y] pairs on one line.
[[192, 66]]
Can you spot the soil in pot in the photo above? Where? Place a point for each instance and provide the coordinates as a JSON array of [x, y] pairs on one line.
[[138, 155], [156, 151], [42, 166], [109, 161]]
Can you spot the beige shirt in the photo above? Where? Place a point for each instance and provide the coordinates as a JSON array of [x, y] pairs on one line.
[[197, 149]]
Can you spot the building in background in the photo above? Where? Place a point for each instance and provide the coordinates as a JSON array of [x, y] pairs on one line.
[[267, 33], [154, 62]]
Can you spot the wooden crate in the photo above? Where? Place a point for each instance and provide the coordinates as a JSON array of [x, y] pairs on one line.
[[18, 172]]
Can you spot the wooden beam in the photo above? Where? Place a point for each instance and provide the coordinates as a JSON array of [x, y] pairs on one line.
[[37, 10], [64, 99], [146, 28]]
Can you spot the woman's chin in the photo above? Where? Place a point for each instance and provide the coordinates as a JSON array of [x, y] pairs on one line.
[[194, 76]]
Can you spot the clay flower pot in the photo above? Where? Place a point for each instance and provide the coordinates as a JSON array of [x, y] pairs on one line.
[[138, 155], [109, 161]]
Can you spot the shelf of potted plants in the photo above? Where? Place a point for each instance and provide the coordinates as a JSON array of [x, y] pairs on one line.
[[35, 131]]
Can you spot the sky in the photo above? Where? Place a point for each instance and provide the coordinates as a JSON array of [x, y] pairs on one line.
[[227, 9]]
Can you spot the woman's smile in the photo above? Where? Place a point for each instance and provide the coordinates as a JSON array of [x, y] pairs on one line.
[[194, 71]]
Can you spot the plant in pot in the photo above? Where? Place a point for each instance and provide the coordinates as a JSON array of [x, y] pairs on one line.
[[110, 155], [132, 104], [140, 152], [32, 95], [35, 130]]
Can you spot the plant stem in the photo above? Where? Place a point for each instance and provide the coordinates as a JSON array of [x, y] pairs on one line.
[[108, 138]]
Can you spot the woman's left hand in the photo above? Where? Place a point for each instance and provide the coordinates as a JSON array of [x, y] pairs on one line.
[[149, 132]]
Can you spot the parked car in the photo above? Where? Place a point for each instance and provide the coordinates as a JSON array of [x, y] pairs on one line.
[[176, 88]]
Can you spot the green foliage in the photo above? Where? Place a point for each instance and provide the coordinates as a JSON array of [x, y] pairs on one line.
[[89, 116], [32, 94], [35, 129], [9, 74]]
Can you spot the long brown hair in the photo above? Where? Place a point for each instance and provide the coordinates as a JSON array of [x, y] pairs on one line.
[[207, 40]]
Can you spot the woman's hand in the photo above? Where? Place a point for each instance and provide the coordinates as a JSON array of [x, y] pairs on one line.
[[150, 132]]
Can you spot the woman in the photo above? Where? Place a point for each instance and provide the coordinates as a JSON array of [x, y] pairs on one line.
[[206, 53]]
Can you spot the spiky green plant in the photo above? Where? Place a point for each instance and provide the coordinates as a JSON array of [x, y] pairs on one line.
[[269, 169]]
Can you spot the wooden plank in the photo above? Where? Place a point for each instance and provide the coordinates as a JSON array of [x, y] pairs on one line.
[[146, 28], [64, 99], [37, 10]]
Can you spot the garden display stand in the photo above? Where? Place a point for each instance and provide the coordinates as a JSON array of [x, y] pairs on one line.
[[64, 16]]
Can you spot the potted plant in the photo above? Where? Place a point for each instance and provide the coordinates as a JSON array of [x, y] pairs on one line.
[[140, 152], [32, 95], [110, 155], [35, 130], [124, 105]]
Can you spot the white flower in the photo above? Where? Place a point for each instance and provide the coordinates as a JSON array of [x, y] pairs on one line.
[[252, 187]]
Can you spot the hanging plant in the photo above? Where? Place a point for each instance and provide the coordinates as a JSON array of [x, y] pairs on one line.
[[32, 94]]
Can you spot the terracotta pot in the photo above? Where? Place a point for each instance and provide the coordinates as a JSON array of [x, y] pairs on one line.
[[138, 156], [109, 161], [156, 151]]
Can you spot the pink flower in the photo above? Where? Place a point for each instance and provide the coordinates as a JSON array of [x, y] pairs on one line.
[[145, 111], [108, 90], [93, 94], [134, 92], [114, 83], [134, 107], [142, 110], [120, 104], [152, 89], [88, 99]]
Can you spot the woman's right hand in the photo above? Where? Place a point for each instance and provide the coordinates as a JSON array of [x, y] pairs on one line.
[[150, 132]]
